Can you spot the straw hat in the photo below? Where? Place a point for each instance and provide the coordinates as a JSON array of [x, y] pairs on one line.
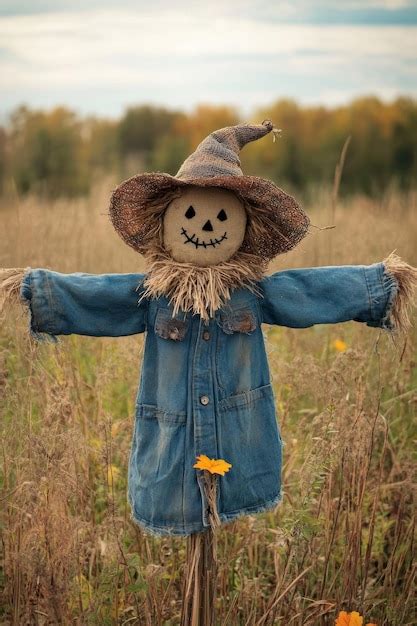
[[276, 223]]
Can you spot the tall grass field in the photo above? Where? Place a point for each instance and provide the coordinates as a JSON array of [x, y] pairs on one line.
[[344, 537]]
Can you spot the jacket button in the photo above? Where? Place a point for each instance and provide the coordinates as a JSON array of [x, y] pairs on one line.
[[206, 335], [204, 400]]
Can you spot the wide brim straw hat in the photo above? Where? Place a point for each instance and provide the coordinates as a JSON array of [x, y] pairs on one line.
[[276, 223]]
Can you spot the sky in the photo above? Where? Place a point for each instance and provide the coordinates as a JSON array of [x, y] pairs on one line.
[[101, 56]]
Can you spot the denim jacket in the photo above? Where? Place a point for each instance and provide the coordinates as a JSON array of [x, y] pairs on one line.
[[205, 388]]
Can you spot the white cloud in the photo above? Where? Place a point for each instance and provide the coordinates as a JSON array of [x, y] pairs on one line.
[[391, 5], [159, 52]]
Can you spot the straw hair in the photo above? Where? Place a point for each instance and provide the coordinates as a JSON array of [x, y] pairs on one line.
[[200, 290], [10, 283], [405, 276]]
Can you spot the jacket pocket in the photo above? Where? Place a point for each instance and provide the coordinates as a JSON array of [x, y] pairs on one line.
[[249, 438], [158, 447], [168, 327], [237, 321]]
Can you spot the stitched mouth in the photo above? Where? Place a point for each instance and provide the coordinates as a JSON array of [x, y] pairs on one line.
[[203, 244]]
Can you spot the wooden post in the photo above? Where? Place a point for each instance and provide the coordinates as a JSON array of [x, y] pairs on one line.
[[199, 589]]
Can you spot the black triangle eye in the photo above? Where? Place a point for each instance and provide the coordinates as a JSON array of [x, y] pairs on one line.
[[222, 215], [190, 212]]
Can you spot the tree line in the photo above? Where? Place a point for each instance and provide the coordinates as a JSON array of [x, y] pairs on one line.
[[59, 153]]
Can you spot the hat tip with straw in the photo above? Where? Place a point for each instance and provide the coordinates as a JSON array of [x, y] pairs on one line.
[[218, 154]]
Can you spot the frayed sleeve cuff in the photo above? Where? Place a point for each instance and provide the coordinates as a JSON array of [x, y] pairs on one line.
[[400, 282], [32, 295]]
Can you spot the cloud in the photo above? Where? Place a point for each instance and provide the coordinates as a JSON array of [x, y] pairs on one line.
[[57, 41], [99, 60], [297, 11]]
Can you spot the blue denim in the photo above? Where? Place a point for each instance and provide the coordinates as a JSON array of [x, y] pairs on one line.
[[204, 388]]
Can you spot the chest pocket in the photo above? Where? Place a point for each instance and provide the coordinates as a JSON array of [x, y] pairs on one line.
[[168, 327], [237, 321]]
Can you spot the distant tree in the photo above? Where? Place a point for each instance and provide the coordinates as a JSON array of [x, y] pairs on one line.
[[403, 140], [101, 144], [157, 138], [204, 120], [281, 161], [142, 127], [186, 133], [57, 153], [383, 145], [169, 154], [47, 152]]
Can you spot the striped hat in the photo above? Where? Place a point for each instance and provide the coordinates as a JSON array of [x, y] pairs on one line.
[[138, 204]]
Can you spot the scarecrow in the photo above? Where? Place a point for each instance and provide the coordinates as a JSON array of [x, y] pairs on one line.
[[208, 234]]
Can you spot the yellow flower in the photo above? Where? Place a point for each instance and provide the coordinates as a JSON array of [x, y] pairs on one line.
[[340, 346], [214, 466], [350, 619]]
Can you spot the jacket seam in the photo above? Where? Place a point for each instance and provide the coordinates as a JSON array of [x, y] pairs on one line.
[[219, 337]]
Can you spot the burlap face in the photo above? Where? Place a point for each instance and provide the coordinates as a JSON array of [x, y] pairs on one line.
[[204, 226]]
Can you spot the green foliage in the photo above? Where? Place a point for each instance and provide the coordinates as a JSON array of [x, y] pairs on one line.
[[141, 127], [101, 137], [56, 153], [47, 152], [141, 130]]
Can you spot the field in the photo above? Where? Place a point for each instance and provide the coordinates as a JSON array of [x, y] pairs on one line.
[[344, 537]]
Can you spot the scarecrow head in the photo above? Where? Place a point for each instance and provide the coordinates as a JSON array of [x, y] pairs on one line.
[[210, 222], [204, 226]]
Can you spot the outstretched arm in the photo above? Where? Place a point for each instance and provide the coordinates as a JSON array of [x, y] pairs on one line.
[[83, 304], [379, 295]]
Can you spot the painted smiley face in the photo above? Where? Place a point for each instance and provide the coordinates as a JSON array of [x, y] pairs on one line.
[[207, 228], [204, 226]]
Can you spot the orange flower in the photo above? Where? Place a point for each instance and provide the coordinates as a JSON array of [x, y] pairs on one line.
[[340, 346], [350, 619], [214, 466]]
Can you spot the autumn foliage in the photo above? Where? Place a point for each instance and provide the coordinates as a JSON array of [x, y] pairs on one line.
[[58, 153]]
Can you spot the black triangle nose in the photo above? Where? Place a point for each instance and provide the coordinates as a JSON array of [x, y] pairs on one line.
[[207, 226]]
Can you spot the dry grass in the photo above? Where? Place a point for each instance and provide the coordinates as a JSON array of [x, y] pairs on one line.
[[344, 537]]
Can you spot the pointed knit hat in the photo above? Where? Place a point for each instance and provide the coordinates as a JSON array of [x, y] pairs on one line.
[[278, 223]]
